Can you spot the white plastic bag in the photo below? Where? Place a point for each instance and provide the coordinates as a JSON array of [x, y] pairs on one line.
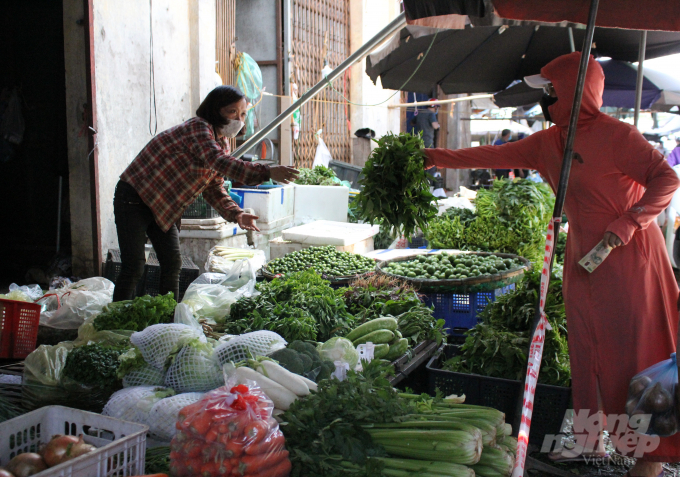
[[217, 264], [134, 404], [184, 316], [323, 155], [211, 295], [69, 307]]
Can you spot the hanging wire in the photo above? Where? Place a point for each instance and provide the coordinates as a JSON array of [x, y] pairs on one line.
[[153, 116], [422, 60]]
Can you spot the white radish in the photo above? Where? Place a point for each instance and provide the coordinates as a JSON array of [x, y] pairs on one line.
[[285, 378], [277, 412], [310, 384], [280, 396]]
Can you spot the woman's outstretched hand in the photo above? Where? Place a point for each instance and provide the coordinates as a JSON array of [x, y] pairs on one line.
[[247, 221], [283, 174]]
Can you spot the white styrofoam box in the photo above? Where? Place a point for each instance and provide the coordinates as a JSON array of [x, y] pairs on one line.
[[320, 203], [228, 230], [197, 249], [121, 445], [280, 247], [263, 239], [271, 205], [325, 232], [282, 223], [213, 221]]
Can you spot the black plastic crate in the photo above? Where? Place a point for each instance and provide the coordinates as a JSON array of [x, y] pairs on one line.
[[188, 274], [113, 266], [550, 402], [200, 209], [347, 172], [417, 241]]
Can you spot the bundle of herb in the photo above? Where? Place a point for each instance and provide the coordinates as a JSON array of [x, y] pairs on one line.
[[497, 346], [395, 186], [320, 175], [136, 314], [512, 217], [379, 295], [301, 306], [324, 429], [94, 365]]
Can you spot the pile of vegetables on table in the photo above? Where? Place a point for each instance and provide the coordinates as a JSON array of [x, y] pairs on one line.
[[446, 267], [498, 345], [511, 217], [319, 175], [326, 260]]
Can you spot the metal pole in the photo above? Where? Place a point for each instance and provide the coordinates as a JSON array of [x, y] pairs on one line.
[[365, 49], [640, 76], [566, 168], [59, 214], [440, 101]]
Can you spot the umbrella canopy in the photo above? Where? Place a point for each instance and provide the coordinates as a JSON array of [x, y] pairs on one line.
[[487, 59], [659, 91], [631, 14]]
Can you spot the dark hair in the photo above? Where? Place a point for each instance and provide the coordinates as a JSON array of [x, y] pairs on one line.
[[505, 132], [217, 99]]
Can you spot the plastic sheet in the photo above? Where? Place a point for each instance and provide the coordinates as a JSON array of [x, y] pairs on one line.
[[653, 394], [69, 307], [230, 431]]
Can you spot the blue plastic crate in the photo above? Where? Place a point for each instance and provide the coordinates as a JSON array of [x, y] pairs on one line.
[[461, 312], [417, 242]]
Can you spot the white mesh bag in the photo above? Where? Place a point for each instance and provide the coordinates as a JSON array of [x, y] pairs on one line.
[[194, 369], [163, 415], [249, 345], [158, 342], [134, 404], [146, 375]]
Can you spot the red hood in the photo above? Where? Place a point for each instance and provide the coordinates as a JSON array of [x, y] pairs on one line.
[[562, 72]]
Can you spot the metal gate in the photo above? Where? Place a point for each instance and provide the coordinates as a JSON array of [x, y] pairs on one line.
[[321, 33], [224, 43]]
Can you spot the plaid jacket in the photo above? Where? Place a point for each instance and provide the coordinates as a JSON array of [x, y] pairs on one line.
[[182, 162]]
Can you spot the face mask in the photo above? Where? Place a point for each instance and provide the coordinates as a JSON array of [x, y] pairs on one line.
[[545, 102], [232, 128]]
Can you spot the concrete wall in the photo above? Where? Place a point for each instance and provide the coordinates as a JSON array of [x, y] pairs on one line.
[[79, 169], [184, 69], [368, 17]]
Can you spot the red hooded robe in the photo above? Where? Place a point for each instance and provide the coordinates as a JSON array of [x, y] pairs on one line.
[[623, 317]]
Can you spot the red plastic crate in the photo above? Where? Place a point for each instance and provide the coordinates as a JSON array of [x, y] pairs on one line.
[[19, 331]]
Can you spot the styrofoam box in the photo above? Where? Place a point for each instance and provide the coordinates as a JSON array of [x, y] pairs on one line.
[[280, 247], [320, 203], [271, 205], [325, 232], [121, 445], [227, 230]]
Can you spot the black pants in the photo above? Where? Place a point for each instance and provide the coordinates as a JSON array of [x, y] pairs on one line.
[[134, 223]]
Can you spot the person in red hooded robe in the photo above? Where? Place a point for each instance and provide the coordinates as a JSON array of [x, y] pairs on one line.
[[622, 317]]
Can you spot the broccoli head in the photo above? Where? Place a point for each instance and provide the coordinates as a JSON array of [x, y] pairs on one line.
[[304, 347], [289, 359], [327, 368], [306, 362]]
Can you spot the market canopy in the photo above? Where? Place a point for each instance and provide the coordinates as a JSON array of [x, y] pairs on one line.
[[489, 58], [630, 14], [660, 92]]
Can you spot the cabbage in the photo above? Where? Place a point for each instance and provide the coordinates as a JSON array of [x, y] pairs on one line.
[[339, 349]]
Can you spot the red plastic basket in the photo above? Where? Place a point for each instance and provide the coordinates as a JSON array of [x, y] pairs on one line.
[[19, 331]]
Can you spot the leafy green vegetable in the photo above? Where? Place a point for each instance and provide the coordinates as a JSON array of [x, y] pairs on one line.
[[512, 217], [320, 175], [93, 364], [325, 427], [300, 306], [395, 186], [560, 248], [157, 460], [497, 346], [136, 314]]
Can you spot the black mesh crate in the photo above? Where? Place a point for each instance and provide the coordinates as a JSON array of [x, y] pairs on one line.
[[200, 209], [188, 274], [550, 402], [113, 266], [347, 172]]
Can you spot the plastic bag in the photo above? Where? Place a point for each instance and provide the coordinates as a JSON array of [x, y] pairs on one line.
[[211, 295], [88, 334], [28, 293], [194, 369], [158, 342], [135, 404], [45, 364], [69, 307], [323, 156], [654, 393], [230, 431], [163, 414], [184, 316], [217, 264], [249, 346]]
